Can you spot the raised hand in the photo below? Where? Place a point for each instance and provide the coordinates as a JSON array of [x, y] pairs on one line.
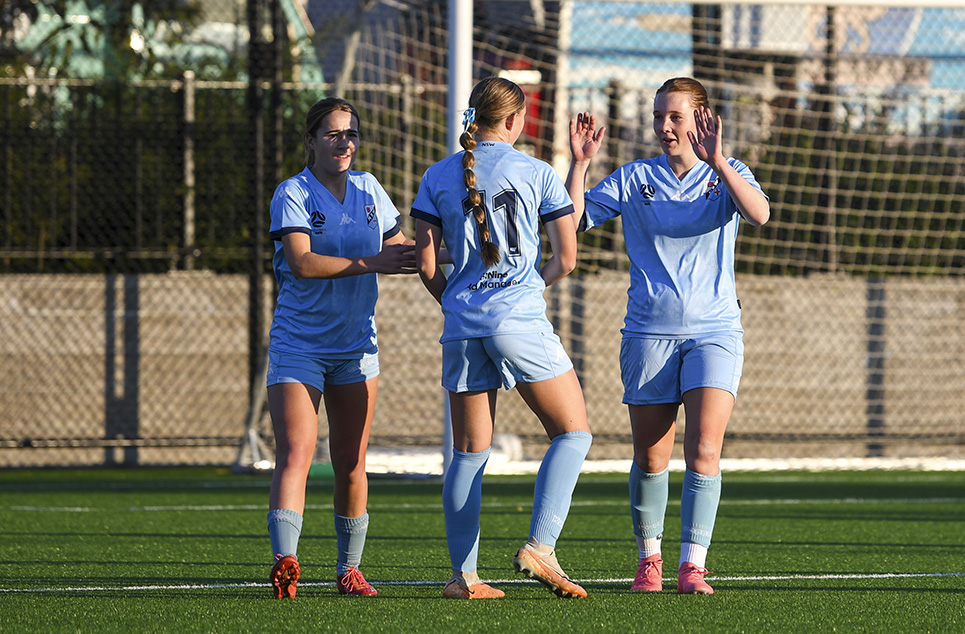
[[707, 143], [585, 139]]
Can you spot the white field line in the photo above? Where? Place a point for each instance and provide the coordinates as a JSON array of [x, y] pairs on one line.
[[490, 505], [386, 460], [627, 580]]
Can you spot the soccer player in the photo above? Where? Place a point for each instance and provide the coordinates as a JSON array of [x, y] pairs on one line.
[[486, 203], [333, 228], [682, 340]]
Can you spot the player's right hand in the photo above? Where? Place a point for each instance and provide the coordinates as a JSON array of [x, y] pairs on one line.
[[585, 139], [396, 259]]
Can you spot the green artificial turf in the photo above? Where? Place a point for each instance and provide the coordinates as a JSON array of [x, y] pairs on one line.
[[186, 550]]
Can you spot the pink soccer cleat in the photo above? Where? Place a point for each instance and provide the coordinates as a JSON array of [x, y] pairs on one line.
[[354, 584], [690, 580], [649, 575]]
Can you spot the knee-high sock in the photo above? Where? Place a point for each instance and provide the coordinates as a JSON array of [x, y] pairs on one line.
[[698, 507], [284, 528], [350, 535], [648, 501], [461, 500], [555, 482]]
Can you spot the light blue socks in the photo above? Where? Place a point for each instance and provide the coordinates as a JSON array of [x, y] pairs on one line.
[[350, 540], [461, 501], [284, 528], [555, 482], [698, 512], [648, 501]]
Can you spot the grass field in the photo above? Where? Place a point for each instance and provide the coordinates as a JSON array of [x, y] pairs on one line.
[[187, 550]]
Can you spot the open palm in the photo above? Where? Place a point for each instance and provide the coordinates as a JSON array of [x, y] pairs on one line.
[[585, 139], [707, 141]]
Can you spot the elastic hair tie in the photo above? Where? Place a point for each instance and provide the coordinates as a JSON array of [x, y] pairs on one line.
[[468, 116]]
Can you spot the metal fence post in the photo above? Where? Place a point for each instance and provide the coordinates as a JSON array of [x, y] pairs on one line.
[[189, 217], [256, 192]]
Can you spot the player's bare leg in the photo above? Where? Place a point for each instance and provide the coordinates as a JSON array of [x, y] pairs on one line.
[[350, 409], [708, 410], [559, 405], [294, 415]]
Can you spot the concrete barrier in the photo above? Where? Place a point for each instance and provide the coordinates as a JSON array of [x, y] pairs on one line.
[[835, 366]]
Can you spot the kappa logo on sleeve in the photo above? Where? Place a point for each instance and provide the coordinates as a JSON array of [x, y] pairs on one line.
[[370, 216]]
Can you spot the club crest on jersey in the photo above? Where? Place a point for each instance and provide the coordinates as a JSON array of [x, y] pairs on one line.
[[370, 216], [713, 189], [647, 191], [318, 222]]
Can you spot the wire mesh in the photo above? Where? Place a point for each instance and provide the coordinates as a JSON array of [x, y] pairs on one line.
[[132, 281]]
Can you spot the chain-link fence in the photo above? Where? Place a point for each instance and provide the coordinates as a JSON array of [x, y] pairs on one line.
[[136, 286]]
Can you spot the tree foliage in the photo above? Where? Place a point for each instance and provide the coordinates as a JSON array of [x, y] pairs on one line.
[[114, 40]]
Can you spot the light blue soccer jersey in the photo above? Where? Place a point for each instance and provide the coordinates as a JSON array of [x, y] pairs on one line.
[[681, 236], [333, 318], [518, 191]]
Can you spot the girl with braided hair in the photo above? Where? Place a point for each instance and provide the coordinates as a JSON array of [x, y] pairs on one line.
[[486, 203]]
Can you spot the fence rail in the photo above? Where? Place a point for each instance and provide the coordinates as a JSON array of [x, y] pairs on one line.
[[135, 282]]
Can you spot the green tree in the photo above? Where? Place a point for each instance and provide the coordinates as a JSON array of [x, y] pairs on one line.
[[112, 39]]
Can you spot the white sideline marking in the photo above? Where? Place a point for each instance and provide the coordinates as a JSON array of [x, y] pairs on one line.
[[428, 461], [219, 586], [491, 505]]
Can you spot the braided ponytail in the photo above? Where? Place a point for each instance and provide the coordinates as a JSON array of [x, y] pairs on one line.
[[492, 100], [490, 252]]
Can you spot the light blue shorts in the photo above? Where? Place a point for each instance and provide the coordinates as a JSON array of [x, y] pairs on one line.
[[485, 363], [285, 367], [661, 370]]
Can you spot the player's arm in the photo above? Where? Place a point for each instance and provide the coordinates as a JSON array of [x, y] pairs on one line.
[[442, 257], [585, 142], [399, 238], [751, 203], [395, 257], [562, 236], [427, 239], [708, 146]]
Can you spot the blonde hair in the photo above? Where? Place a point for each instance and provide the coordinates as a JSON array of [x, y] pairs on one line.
[[317, 113], [492, 100], [689, 86]]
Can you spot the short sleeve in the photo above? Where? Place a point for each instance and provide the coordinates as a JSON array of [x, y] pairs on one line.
[[423, 207], [556, 201], [746, 174], [288, 210], [604, 202], [388, 213]]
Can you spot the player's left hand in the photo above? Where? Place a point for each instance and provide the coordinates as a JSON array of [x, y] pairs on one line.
[[707, 142]]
